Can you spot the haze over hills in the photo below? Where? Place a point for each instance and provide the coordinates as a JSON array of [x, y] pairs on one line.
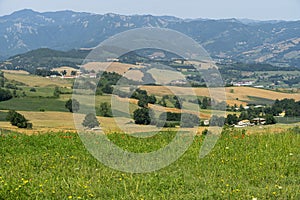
[[276, 42]]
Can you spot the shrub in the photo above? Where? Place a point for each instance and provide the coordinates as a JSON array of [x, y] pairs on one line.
[[5, 95], [270, 119], [170, 116], [11, 86], [217, 121], [205, 132], [16, 119], [108, 89], [189, 120], [142, 116], [56, 92], [105, 110], [72, 105], [90, 121], [32, 90]]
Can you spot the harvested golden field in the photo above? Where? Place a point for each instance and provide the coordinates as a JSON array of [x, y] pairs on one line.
[[117, 67], [165, 76], [243, 93], [37, 81], [135, 75], [50, 119], [161, 109], [234, 95], [45, 122]]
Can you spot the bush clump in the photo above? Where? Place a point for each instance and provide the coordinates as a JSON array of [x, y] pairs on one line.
[[16, 119]]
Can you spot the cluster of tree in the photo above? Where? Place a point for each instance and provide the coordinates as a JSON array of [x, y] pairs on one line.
[[5, 95], [265, 112], [234, 119], [217, 121], [174, 100], [2, 79], [143, 97], [208, 103], [46, 72], [170, 116], [142, 114], [290, 106], [144, 55], [171, 119], [146, 116], [108, 79], [105, 110], [56, 92], [189, 120], [251, 113], [105, 84], [292, 81], [196, 80], [16, 119]]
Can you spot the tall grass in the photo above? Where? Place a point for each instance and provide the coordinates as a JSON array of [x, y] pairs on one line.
[[57, 166]]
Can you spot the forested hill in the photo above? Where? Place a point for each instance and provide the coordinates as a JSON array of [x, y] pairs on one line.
[[276, 42], [44, 58]]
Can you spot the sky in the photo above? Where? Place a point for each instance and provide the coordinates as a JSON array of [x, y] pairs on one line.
[[214, 9]]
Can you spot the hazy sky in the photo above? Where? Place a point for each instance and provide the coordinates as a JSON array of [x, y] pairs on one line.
[[253, 9]]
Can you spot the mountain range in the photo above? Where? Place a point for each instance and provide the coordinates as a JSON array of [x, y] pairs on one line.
[[275, 42]]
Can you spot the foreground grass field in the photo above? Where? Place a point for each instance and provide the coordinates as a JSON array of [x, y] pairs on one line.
[[57, 166]]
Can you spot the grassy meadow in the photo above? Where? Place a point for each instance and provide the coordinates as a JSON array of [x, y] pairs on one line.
[[57, 166], [50, 161]]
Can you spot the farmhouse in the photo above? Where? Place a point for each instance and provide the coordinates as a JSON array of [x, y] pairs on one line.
[[259, 106], [258, 121], [112, 60], [282, 114], [243, 123], [178, 82], [206, 122], [242, 83]]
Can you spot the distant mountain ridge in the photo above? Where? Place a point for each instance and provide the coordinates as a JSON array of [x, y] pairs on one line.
[[276, 42]]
